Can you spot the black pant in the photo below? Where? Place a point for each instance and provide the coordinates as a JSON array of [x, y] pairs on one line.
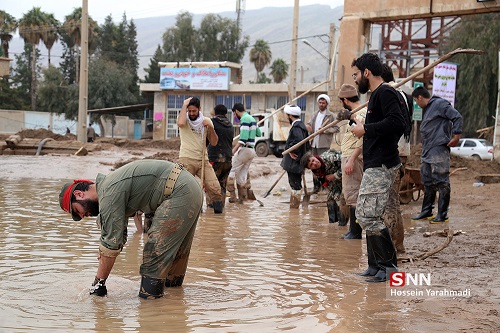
[[295, 180]]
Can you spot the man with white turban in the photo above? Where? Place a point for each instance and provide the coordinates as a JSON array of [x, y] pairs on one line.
[[291, 161], [321, 142]]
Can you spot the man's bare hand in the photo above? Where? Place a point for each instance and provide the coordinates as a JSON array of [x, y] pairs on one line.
[[358, 130]]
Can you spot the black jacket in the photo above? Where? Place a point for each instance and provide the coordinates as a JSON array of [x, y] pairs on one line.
[[384, 126], [223, 151], [298, 132]]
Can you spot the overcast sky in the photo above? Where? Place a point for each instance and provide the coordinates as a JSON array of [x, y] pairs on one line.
[[99, 9]]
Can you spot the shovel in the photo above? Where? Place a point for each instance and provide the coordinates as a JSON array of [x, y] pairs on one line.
[[307, 196], [276, 182]]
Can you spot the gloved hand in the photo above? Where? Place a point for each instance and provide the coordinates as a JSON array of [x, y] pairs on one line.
[[98, 287], [344, 114]]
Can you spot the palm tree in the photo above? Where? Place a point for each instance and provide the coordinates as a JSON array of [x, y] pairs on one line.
[[8, 25], [50, 33], [279, 70], [260, 55], [31, 30], [72, 25]]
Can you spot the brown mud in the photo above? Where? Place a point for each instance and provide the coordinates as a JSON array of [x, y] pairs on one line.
[[470, 261]]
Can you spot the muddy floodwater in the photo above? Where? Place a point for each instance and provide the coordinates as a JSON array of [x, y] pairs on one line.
[[251, 269]]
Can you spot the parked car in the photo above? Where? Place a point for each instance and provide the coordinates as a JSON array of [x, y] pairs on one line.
[[477, 149]]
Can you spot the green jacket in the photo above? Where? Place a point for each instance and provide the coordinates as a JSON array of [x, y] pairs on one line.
[[135, 186]]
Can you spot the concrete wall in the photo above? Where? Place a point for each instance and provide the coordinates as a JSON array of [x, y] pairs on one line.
[[13, 121]]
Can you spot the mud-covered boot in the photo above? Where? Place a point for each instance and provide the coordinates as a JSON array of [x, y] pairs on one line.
[[217, 205], [427, 204], [342, 218], [372, 263], [250, 194], [385, 255], [242, 193], [151, 287], [232, 190], [332, 212], [443, 203], [295, 196], [354, 228]]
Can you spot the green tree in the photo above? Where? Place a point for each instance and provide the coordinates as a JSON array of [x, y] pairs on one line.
[[153, 70], [50, 32], [179, 41], [67, 65], [8, 26], [55, 93], [31, 27], [21, 74], [477, 82], [72, 35], [10, 99], [279, 70], [218, 40], [260, 55]]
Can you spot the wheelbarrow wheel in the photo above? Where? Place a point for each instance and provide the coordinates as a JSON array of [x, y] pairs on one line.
[[405, 191]]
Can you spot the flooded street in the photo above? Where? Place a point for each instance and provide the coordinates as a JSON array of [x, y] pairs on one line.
[[252, 269]]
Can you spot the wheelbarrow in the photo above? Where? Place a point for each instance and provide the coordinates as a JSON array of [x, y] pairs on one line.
[[410, 183]]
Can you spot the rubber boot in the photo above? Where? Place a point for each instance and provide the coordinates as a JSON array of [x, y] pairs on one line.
[[151, 287], [175, 281], [354, 228], [242, 193], [385, 255], [232, 191], [443, 203], [248, 186], [427, 204], [342, 218], [148, 219], [317, 185], [251, 195], [332, 212], [372, 263], [217, 205], [295, 196]]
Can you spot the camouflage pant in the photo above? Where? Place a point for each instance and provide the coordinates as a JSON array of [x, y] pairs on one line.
[[392, 215], [373, 196], [170, 236]]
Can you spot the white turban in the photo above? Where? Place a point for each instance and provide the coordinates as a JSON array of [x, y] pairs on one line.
[[294, 110], [325, 97]]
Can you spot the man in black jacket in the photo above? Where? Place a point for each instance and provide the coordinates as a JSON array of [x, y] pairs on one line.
[[220, 155], [383, 127], [291, 161]]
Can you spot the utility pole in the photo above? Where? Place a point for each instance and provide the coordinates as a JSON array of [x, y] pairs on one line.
[[84, 77], [292, 87]]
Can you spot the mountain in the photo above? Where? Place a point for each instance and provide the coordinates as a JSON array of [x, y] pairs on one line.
[[273, 24]]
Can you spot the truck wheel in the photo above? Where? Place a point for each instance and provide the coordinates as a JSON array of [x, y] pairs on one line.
[[261, 149]]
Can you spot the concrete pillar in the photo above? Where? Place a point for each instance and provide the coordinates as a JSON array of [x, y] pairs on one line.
[[160, 116], [351, 42]]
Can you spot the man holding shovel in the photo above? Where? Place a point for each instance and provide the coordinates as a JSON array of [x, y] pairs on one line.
[[193, 128], [243, 154], [327, 168]]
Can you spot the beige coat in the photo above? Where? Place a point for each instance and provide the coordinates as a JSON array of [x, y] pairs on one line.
[[325, 138]]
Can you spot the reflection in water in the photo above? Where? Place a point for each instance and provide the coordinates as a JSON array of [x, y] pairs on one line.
[[257, 269]]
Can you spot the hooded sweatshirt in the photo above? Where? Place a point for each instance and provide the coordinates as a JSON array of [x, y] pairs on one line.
[[223, 151]]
